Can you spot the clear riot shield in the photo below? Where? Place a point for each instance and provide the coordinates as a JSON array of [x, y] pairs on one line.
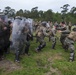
[[30, 24], [15, 36], [15, 29]]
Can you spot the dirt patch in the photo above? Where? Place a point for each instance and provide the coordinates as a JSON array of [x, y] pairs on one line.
[[9, 66], [55, 57], [54, 71]]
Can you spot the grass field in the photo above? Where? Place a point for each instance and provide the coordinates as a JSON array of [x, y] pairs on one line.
[[46, 62]]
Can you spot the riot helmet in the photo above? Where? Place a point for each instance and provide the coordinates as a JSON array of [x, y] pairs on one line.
[[74, 29], [44, 23]]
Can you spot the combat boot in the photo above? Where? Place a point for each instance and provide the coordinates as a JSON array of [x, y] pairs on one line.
[[17, 57], [38, 48], [53, 46], [43, 45], [71, 59]]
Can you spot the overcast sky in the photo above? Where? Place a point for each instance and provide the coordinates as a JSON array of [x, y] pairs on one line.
[[41, 4]]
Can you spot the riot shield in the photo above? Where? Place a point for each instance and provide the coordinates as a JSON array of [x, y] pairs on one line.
[[15, 36], [30, 24], [15, 29]]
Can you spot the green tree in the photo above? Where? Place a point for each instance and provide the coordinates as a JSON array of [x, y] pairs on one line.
[[65, 8], [64, 11], [27, 14], [57, 17], [41, 15], [48, 15], [19, 13], [73, 10], [8, 11], [72, 13], [34, 13]]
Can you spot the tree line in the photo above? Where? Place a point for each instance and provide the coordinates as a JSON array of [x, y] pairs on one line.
[[48, 15]]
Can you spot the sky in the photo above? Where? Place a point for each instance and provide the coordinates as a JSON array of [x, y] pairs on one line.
[[41, 4]]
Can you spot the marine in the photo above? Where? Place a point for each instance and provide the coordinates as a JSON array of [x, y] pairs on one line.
[[69, 42], [40, 35], [52, 36]]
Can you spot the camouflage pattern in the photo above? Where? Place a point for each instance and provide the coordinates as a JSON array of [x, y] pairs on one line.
[[52, 36], [69, 26], [40, 35], [69, 43], [64, 34]]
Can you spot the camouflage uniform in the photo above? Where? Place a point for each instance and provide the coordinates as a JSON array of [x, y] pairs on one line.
[[64, 32], [69, 42], [40, 34], [4, 36], [52, 34], [1, 39], [69, 26]]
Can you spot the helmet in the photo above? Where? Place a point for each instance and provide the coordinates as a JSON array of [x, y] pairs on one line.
[[18, 17], [63, 22], [74, 29], [4, 18], [44, 23]]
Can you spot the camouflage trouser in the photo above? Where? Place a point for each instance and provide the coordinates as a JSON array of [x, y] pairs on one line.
[[27, 45], [42, 43], [1, 47], [62, 38], [53, 39], [70, 43]]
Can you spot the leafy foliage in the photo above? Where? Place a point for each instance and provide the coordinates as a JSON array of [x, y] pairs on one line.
[[48, 15]]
